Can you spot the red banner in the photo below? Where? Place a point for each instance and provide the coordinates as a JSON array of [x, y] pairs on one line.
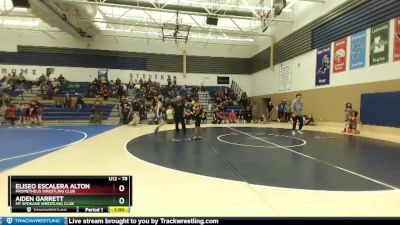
[[396, 54], [340, 57]]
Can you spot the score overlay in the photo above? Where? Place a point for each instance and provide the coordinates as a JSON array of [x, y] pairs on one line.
[[87, 194]]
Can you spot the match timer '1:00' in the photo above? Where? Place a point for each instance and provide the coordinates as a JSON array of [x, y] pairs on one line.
[[89, 194]]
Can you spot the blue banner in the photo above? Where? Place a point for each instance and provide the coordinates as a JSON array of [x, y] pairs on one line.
[[358, 50], [323, 65], [33, 220]]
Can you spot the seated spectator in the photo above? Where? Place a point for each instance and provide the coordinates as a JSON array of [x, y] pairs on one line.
[[308, 119], [204, 118], [150, 116], [80, 103], [261, 119], [59, 102], [57, 90], [135, 119], [11, 113], [217, 119], [68, 101]]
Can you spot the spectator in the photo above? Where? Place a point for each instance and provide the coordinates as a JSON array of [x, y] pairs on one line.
[[353, 123], [217, 119], [254, 111], [347, 115], [68, 101], [241, 116], [297, 109], [270, 108], [98, 111], [22, 113], [79, 103], [281, 110], [59, 102], [308, 119], [232, 117], [248, 115], [204, 118], [61, 79], [170, 115], [11, 112], [288, 112]]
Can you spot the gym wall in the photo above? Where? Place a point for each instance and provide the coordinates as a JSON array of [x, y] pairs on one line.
[[327, 104]]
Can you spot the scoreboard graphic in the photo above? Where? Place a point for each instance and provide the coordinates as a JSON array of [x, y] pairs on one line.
[[62, 194]]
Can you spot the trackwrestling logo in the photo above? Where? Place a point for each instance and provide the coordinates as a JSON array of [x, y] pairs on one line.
[[9, 220]]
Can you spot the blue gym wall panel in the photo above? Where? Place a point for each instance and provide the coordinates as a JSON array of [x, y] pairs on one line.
[[72, 60], [381, 109], [364, 16]]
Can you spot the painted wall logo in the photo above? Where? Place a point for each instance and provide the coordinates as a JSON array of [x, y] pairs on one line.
[[340, 56], [323, 65], [6, 71], [396, 53], [379, 52]]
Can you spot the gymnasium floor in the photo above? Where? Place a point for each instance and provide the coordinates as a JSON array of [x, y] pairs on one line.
[[243, 170]]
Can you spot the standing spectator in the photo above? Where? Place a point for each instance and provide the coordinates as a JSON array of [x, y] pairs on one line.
[[288, 111], [270, 107], [232, 116], [170, 115], [39, 113], [169, 82], [281, 110], [198, 110], [254, 111], [22, 113], [98, 111], [297, 113], [248, 115]]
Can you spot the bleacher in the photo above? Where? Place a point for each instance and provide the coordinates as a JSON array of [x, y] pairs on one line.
[[53, 113]]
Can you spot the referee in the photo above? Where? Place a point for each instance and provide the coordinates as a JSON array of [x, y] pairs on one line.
[[179, 114]]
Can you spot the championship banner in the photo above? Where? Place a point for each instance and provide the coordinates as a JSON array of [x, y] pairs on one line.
[[102, 75], [285, 76], [396, 54], [358, 50], [340, 56], [323, 65], [379, 52]]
